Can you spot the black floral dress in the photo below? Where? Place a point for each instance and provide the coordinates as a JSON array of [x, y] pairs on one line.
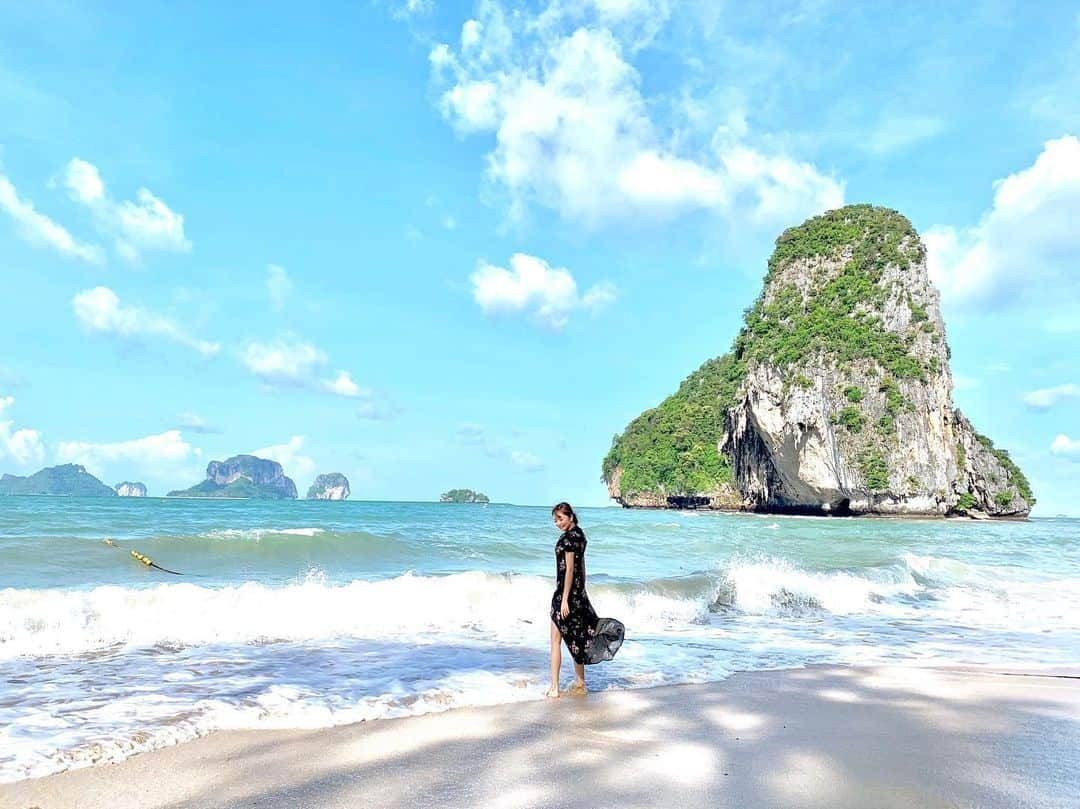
[[579, 627]]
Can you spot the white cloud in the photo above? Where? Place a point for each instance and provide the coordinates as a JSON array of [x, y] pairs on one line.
[[283, 362], [1045, 398], [279, 285], [1026, 247], [961, 382], [38, 229], [572, 130], [290, 362], [23, 445], [295, 464], [1066, 447], [99, 310], [144, 224], [343, 385], [194, 424], [548, 294], [149, 452]]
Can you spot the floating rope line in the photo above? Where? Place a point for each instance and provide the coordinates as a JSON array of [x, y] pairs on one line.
[[146, 560]]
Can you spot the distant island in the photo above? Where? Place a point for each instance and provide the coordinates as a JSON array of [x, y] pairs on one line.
[[242, 476], [463, 496], [331, 486], [68, 480], [129, 489], [835, 398]]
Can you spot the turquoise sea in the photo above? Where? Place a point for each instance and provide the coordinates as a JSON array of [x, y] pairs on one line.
[[309, 614]]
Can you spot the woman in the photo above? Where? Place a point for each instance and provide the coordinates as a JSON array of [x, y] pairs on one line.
[[573, 619]]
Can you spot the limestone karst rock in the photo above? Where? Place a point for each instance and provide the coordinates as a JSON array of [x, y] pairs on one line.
[[836, 397], [243, 476], [332, 486]]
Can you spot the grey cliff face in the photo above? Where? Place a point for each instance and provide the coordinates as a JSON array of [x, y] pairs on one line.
[[332, 486], [129, 489]]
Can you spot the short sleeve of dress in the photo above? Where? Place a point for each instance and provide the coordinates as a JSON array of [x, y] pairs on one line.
[[575, 541]]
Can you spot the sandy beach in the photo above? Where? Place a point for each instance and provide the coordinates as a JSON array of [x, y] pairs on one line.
[[821, 736]]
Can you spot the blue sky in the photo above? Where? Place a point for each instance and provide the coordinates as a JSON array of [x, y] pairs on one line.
[[433, 244]]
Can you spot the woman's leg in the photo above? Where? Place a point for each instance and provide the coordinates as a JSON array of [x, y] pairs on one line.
[[579, 674], [556, 659]]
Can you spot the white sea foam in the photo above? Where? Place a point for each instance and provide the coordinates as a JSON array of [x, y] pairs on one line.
[[258, 533], [51, 622]]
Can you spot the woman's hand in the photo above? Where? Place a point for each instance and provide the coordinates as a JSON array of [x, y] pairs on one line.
[[565, 611]]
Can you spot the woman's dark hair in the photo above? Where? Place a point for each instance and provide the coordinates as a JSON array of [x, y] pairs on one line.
[[567, 509]]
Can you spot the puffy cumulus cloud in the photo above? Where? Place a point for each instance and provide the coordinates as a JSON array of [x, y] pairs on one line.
[[149, 452], [572, 130], [531, 285], [283, 362], [343, 385], [278, 285], [146, 223], [99, 311], [290, 362], [1066, 447], [290, 456], [1026, 247], [24, 445], [38, 229], [1045, 398]]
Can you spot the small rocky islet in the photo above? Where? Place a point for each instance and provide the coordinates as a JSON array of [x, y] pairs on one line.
[[835, 398], [331, 486], [130, 489], [463, 496]]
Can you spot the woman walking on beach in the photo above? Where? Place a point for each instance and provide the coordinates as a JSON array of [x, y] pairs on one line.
[[573, 619]]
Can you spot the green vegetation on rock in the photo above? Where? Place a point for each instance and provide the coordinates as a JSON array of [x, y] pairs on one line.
[[840, 319], [967, 502], [672, 448], [1016, 477], [851, 418], [875, 470], [70, 480], [463, 496]]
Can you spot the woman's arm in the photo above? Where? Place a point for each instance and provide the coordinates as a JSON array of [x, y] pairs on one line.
[[568, 579]]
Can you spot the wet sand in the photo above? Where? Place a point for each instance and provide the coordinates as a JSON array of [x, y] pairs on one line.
[[824, 736]]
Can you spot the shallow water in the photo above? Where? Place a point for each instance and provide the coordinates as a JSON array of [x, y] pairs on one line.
[[307, 614]]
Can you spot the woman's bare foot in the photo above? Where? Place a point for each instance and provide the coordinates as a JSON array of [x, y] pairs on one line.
[[577, 688], [552, 693]]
